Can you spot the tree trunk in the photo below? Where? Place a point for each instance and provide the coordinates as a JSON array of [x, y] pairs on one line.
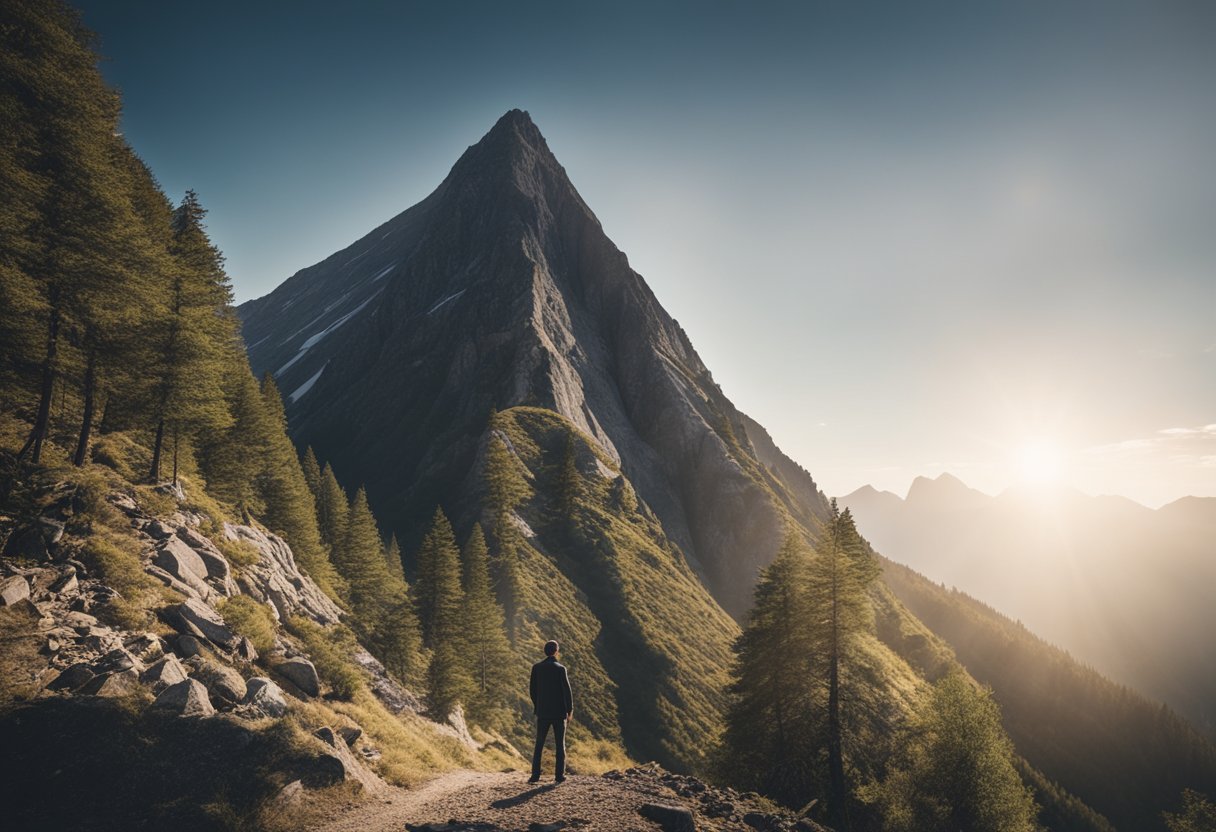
[[154, 474], [837, 807], [86, 421], [175, 447], [42, 420]]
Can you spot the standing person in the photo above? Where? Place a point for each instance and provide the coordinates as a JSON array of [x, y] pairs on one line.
[[553, 705]]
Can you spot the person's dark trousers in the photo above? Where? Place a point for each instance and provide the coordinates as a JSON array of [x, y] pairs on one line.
[[559, 740]]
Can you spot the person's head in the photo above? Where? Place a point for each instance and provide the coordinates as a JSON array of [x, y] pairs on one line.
[[550, 648]]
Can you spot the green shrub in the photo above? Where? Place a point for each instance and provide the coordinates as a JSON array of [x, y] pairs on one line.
[[238, 552], [251, 619], [330, 649], [120, 568], [120, 452]]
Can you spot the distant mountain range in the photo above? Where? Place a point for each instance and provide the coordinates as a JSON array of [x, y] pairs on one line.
[[1123, 587]]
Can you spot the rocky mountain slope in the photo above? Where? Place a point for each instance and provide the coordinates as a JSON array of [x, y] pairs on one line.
[[97, 694], [501, 289], [1121, 586]]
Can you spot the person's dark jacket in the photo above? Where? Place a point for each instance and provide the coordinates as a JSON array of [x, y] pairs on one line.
[[550, 690]]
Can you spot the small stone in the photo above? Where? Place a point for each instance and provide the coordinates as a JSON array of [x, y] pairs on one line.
[[66, 585], [670, 818], [245, 650], [188, 645], [72, 677], [301, 673], [188, 698], [120, 683], [80, 621], [326, 735], [350, 734], [13, 589], [144, 646]]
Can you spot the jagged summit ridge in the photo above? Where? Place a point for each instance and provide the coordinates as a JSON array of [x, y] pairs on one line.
[[501, 289]]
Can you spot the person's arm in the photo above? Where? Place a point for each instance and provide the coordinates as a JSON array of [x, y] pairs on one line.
[[566, 693], [532, 687]]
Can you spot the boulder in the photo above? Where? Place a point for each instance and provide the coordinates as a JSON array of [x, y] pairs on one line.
[[339, 765], [222, 682], [164, 673], [119, 683], [218, 569], [81, 622], [13, 589], [117, 660], [670, 818], [196, 618], [146, 647], [67, 584], [264, 697], [123, 502], [188, 645], [301, 673], [170, 581], [245, 650], [184, 564], [350, 734], [186, 698], [72, 678]]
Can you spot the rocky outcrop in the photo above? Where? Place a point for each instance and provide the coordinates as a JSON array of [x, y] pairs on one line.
[[276, 580], [13, 589]]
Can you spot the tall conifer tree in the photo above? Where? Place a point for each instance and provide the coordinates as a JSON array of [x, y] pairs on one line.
[[439, 596], [839, 578], [487, 652], [332, 509], [506, 489], [772, 738]]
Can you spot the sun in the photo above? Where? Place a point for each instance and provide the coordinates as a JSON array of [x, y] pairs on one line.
[[1038, 462]]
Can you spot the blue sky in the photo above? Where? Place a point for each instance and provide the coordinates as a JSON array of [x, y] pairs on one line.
[[908, 238]]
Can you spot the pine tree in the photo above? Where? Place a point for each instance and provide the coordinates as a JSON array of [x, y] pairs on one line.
[[486, 649], [392, 554], [290, 509], [955, 769], [360, 562], [332, 509], [188, 395], [440, 602], [312, 472], [233, 459], [506, 489], [771, 724], [1198, 814], [839, 578], [398, 641], [68, 235]]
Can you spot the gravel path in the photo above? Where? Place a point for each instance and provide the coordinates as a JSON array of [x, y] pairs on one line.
[[506, 800]]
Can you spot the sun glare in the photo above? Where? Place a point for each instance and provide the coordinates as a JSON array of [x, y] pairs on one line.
[[1038, 462]]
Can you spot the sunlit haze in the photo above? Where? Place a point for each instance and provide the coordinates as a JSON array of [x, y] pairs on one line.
[[906, 238]]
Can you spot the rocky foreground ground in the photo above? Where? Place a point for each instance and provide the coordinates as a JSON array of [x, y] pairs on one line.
[[641, 798]]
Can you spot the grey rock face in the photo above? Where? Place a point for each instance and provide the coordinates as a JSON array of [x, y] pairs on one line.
[[301, 673], [276, 579], [118, 683], [183, 563], [187, 698]]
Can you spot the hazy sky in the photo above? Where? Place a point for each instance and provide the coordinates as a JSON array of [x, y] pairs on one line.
[[906, 237]]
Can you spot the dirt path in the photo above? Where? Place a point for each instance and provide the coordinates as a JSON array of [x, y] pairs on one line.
[[506, 800]]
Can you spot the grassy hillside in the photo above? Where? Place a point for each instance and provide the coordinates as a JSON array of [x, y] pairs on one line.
[[647, 646], [1125, 756]]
